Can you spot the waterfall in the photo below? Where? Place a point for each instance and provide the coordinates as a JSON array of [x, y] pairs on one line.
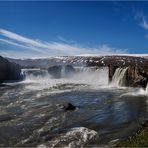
[[89, 75], [22, 74], [146, 90], [85, 69], [26, 73], [119, 77], [63, 71], [92, 75]]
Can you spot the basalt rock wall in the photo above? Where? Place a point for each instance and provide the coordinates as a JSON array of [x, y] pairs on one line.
[[9, 70], [137, 76]]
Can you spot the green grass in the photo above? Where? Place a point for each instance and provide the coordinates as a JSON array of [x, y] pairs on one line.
[[138, 140]]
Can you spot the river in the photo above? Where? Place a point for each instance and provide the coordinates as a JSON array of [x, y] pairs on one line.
[[30, 112]]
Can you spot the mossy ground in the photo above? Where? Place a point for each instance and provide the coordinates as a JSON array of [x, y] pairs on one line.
[[138, 140]]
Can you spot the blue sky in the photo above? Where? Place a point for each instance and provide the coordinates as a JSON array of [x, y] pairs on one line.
[[42, 29]]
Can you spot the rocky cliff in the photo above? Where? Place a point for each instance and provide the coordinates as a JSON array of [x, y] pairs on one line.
[[9, 70], [137, 72]]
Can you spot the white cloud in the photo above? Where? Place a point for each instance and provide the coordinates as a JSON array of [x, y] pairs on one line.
[[144, 23], [45, 49]]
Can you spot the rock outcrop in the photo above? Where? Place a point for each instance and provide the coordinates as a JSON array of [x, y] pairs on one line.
[[9, 70], [137, 76]]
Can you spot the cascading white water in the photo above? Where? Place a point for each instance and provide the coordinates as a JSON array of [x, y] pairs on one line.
[[63, 71], [82, 75], [85, 69], [119, 77], [146, 90], [92, 75], [30, 73]]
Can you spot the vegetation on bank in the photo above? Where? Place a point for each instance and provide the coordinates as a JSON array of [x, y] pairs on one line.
[[138, 140]]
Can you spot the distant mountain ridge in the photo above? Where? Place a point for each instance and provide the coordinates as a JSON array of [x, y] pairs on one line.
[[78, 60]]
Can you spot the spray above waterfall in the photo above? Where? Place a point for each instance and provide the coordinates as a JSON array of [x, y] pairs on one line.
[[67, 74]]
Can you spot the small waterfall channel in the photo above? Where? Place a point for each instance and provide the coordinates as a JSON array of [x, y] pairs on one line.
[[146, 90], [33, 73], [119, 77], [63, 72]]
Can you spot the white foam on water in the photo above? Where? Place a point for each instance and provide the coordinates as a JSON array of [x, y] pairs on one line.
[[138, 92], [75, 137], [143, 91], [85, 134]]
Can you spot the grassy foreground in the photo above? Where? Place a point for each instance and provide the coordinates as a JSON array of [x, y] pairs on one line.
[[138, 140]]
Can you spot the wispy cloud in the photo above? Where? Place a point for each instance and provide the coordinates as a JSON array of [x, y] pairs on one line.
[[45, 49], [141, 19], [18, 45], [65, 40], [144, 23], [24, 41]]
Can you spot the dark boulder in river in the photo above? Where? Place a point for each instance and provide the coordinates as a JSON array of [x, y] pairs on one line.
[[9, 70], [68, 107]]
